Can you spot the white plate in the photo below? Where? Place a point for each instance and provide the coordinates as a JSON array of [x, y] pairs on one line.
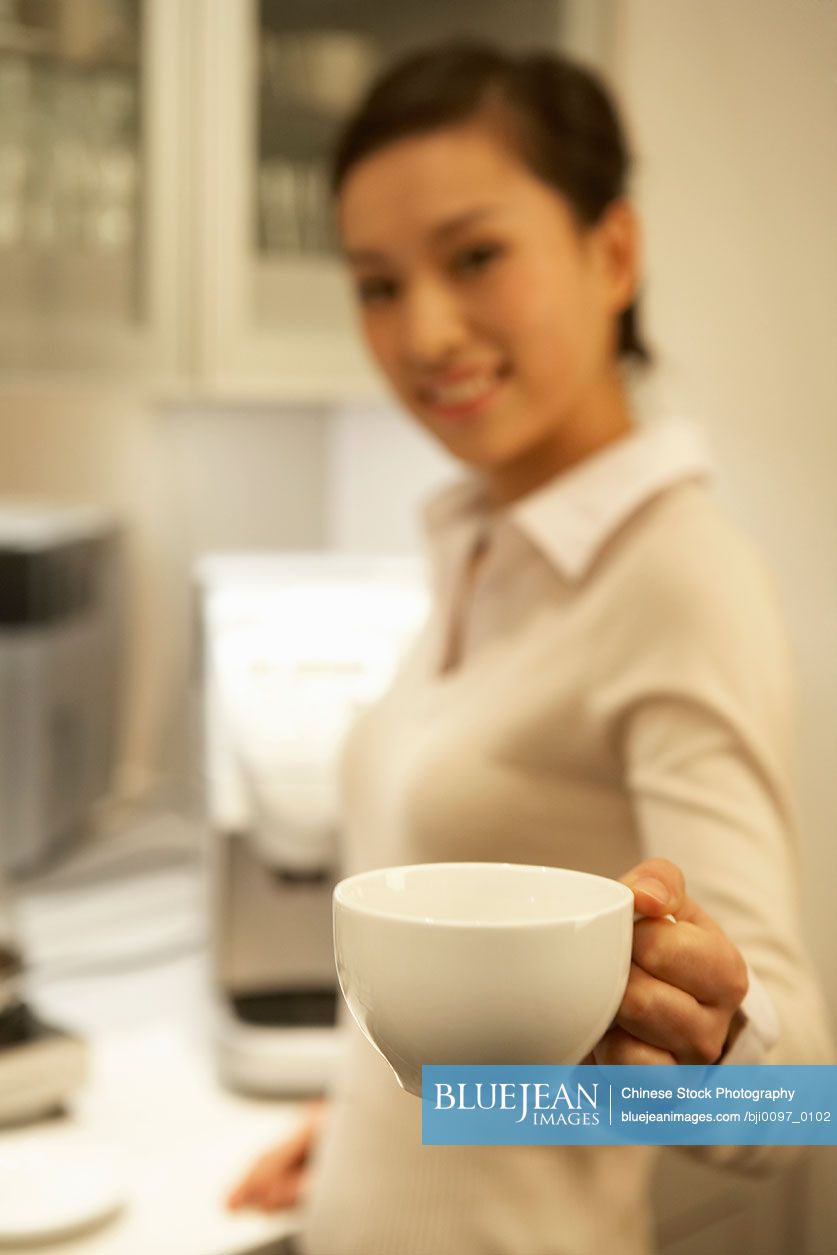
[[53, 1183]]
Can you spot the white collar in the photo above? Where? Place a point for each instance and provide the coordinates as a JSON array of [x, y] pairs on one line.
[[570, 518]]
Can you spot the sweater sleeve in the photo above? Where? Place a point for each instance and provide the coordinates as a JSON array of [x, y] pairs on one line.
[[702, 720]]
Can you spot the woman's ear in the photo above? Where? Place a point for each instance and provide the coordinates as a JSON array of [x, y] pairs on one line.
[[619, 238]]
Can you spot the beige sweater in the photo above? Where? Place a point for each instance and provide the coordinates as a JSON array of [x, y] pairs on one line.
[[621, 690]]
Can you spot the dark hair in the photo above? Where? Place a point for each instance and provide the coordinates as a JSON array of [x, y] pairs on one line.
[[558, 114]]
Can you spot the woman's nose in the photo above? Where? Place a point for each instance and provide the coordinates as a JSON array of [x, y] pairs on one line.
[[433, 326]]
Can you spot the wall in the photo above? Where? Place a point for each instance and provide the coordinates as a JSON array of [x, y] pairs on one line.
[[380, 467], [739, 100], [733, 112]]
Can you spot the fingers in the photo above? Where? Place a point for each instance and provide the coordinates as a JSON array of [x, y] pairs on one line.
[[619, 1047], [659, 889], [666, 1018], [268, 1195], [273, 1182], [706, 965], [658, 886], [280, 1178], [687, 978]]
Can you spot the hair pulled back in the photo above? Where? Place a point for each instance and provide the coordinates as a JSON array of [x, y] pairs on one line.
[[556, 112]]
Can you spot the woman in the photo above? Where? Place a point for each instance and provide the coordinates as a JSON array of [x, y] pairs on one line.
[[603, 683]]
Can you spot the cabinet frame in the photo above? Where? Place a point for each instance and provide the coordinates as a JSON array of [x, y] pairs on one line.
[[67, 348]]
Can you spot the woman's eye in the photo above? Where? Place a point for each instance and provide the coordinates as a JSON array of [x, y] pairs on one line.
[[369, 290], [477, 258]]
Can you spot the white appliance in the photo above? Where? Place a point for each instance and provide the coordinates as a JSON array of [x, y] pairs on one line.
[[292, 647], [59, 571]]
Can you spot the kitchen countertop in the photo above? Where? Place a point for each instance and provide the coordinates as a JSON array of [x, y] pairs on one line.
[[179, 1142], [122, 960]]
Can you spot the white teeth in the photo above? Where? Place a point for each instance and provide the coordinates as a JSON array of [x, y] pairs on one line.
[[461, 393]]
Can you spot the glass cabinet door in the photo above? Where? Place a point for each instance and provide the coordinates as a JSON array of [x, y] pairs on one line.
[[81, 215], [285, 75]]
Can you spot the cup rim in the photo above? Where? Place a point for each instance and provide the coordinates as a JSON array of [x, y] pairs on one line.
[[339, 897]]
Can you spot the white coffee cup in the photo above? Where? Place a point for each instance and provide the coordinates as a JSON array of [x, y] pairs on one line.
[[481, 963]]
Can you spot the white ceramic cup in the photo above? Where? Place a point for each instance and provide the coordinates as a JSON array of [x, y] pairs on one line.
[[481, 963]]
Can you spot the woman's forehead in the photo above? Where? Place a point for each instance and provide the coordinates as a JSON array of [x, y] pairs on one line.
[[424, 185]]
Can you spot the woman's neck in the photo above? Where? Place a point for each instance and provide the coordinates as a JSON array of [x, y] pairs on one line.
[[604, 419]]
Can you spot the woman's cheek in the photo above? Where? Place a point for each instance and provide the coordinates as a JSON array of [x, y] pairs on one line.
[[518, 307], [537, 309], [380, 344]]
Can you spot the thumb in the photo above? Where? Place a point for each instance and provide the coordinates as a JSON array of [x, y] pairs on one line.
[[658, 887]]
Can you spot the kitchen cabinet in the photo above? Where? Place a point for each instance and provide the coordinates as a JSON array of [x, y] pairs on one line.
[[91, 178], [164, 213]]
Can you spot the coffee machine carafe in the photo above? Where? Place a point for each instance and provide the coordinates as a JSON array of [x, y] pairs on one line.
[[292, 647]]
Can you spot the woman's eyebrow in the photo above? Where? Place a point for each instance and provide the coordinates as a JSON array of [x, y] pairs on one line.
[[448, 227]]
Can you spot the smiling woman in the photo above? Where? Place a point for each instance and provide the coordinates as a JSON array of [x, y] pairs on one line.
[[603, 683], [496, 275]]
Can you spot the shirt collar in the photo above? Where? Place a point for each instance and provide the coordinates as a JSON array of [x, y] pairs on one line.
[[571, 518]]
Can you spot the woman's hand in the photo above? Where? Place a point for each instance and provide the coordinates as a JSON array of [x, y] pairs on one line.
[[279, 1178], [686, 983]]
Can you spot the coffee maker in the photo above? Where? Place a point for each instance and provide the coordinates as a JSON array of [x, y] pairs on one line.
[[291, 649]]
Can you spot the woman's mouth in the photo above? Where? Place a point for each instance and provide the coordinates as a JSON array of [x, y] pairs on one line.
[[464, 398]]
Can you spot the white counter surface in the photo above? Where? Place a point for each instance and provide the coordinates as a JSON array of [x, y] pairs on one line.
[[179, 1142], [122, 960]]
